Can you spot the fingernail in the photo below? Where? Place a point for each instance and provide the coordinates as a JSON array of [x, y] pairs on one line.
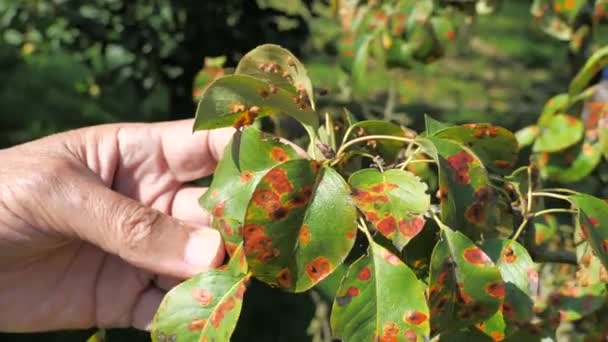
[[204, 249]]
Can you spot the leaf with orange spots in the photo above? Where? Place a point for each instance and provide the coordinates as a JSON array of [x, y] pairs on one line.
[[521, 284], [593, 221], [205, 306], [295, 239], [234, 181], [495, 146], [572, 164], [393, 201], [231, 99], [527, 135], [380, 299], [571, 302], [560, 132], [467, 200], [465, 286]]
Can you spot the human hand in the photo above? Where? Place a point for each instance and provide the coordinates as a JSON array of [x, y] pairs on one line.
[[96, 223]]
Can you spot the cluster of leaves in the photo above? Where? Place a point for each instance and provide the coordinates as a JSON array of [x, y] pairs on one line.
[[451, 265], [571, 134]]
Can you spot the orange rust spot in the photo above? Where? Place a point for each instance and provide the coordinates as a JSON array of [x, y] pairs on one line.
[[443, 276], [475, 213], [509, 254], [267, 255], [318, 269], [497, 336], [214, 194], [415, 317], [571, 120], [594, 221], [236, 107], [230, 247], [246, 176], [410, 335], [459, 162], [412, 227], [304, 235], [503, 164], [240, 291], [351, 234], [476, 256], [569, 5], [496, 289], [284, 278], [278, 154], [365, 274], [197, 324], [203, 296], [450, 35], [221, 311], [387, 225], [301, 198], [218, 209]]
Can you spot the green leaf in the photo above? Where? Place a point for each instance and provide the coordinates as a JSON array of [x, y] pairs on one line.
[[496, 147], [556, 104], [381, 299], [571, 302], [521, 282], [278, 67], [393, 201], [203, 308], [559, 133], [572, 164], [593, 221], [526, 135], [387, 149], [361, 51], [433, 126], [299, 226], [468, 202], [234, 181], [237, 100], [594, 64], [465, 286]]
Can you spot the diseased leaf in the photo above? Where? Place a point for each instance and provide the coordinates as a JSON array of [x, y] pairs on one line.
[[237, 100], [571, 302], [559, 133], [465, 286], [233, 183], [572, 164], [468, 202], [434, 126], [299, 226], [381, 299], [280, 68], [556, 104], [593, 221], [521, 283], [393, 201], [203, 308], [526, 135], [496, 147]]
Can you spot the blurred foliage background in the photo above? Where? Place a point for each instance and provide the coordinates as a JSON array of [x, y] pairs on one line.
[[70, 63]]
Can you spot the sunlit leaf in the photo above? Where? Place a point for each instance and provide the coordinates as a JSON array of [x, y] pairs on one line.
[[593, 221], [559, 133], [465, 286], [299, 225], [594, 64], [393, 201], [526, 135], [381, 299]]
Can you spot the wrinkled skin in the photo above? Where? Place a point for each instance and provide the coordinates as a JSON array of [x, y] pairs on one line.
[[96, 224]]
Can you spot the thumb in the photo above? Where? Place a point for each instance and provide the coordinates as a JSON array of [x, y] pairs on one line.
[[143, 236]]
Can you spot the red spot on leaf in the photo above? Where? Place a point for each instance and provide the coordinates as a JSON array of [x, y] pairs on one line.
[[277, 178], [318, 269], [476, 256], [240, 291], [460, 164], [415, 317], [364, 274], [502, 164], [246, 176], [230, 247], [497, 336], [244, 119], [450, 35], [389, 257], [594, 221], [475, 213], [214, 194], [412, 227], [218, 209], [304, 235], [605, 246], [266, 199], [267, 255], [387, 225], [197, 325], [203, 296], [301, 198], [410, 335], [352, 291], [496, 289], [284, 278], [509, 255], [351, 234], [571, 120], [482, 131]]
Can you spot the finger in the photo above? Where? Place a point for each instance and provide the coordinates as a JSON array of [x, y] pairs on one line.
[[190, 155], [138, 234], [145, 308], [186, 206]]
